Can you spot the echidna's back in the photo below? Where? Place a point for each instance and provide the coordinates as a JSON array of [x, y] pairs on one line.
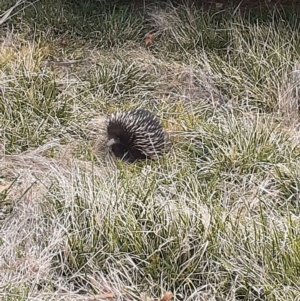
[[135, 135]]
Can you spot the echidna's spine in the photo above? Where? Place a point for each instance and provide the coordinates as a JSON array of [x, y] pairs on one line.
[[138, 132]]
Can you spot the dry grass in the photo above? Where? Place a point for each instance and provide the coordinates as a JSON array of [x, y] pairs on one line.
[[216, 218]]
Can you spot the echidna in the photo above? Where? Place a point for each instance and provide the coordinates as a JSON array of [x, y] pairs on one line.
[[135, 135]]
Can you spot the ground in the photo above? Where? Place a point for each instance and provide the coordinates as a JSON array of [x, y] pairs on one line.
[[215, 218]]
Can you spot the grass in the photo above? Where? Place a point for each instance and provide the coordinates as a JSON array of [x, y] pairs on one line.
[[216, 218]]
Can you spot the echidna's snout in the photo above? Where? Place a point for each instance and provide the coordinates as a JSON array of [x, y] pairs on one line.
[[118, 149], [121, 152], [111, 142]]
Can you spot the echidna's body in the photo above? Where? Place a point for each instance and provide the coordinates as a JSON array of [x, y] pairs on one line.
[[135, 135]]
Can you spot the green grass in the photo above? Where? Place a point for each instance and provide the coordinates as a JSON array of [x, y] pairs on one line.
[[216, 218]]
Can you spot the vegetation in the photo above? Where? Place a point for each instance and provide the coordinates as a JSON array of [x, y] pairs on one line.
[[216, 218]]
